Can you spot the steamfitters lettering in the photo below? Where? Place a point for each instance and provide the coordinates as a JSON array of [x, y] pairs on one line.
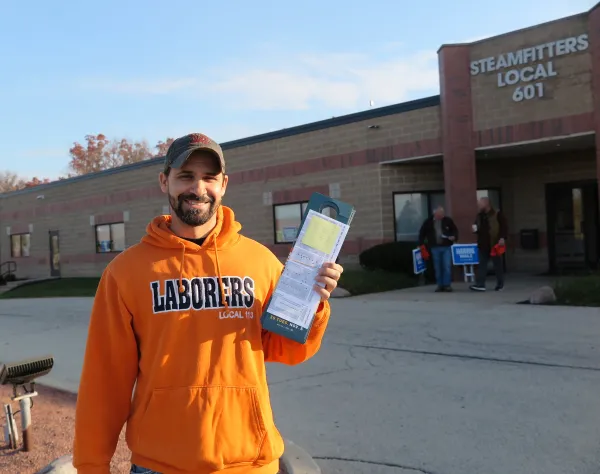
[[533, 54], [532, 74]]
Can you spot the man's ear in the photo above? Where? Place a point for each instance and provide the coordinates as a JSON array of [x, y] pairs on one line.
[[163, 182], [224, 185]]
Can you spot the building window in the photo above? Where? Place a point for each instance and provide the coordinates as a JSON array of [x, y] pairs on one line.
[[110, 237], [287, 219], [411, 209], [20, 245], [493, 194], [436, 200]]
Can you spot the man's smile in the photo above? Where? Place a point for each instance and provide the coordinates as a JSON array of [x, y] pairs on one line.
[[195, 204]]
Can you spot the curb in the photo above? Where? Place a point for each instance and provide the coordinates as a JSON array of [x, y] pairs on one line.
[[340, 292], [295, 460], [28, 281]]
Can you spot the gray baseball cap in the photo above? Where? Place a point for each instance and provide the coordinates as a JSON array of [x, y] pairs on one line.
[[182, 148]]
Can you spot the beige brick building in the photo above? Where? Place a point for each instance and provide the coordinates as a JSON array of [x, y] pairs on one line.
[[517, 119]]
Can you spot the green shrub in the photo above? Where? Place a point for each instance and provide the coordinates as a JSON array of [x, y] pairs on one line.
[[394, 257], [360, 282], [391, 257], [578, 291]]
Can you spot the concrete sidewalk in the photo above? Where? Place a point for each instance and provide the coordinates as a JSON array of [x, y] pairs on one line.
[[37, 327]]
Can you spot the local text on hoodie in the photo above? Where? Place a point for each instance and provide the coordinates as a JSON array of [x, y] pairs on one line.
[[181, 322]]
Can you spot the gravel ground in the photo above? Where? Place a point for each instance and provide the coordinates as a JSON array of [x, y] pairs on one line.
[[53, 419]]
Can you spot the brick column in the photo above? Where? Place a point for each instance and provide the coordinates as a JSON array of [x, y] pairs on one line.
[[460, 179], [594, 37]]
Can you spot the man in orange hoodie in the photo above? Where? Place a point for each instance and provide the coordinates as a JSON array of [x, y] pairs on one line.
[[178, 316]]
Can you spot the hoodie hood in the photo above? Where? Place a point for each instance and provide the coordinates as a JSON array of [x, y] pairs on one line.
[[225, 234]]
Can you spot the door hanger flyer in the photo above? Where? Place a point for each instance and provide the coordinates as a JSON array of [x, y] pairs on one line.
[[292, 307]]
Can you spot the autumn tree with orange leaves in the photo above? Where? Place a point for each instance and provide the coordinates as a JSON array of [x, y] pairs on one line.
[[10, 181], [96, 154], [35, 182], [162, 147], [100, 153]]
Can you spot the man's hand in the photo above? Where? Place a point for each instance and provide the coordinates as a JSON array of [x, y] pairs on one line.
[[451, 238], [329, 275]]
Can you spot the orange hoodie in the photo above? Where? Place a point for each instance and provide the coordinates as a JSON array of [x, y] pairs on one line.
[[201, 401]]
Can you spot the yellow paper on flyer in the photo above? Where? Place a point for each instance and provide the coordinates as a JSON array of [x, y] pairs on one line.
[[321, 234]]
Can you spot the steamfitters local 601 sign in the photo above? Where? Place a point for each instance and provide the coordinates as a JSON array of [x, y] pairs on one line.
[[518, 67]]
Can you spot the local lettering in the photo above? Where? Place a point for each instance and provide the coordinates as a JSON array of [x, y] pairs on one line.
[[202, 293], [517, 67], [527, 74], [237, 314]]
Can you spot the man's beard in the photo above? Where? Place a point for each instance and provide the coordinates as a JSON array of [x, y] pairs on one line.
[[193, 217]]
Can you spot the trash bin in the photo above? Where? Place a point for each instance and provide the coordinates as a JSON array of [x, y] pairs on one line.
[[530, 239]]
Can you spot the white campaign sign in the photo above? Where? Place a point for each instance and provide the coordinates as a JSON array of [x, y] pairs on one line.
[[516, 67]]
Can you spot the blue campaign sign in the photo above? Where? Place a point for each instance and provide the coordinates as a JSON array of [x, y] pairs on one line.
[[465, 254], [419, 265]]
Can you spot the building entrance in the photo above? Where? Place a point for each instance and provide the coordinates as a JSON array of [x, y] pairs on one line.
[[572, 219]]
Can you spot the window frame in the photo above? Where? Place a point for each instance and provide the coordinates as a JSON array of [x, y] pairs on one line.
[[303, 207], [300, 204], [109, 224], [428, 193], [496, 189], [20, 234]]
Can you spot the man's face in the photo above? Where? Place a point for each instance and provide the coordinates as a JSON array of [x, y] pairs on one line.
[[483, 204], [196, 189], [438, 213]]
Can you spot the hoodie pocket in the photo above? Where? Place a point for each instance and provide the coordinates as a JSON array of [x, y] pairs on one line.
[[196, 428]]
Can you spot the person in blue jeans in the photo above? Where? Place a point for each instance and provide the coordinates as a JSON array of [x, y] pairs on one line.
[[438, 233]]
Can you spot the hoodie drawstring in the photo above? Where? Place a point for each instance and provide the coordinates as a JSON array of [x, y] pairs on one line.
[[219, 276], [219, 273], [181, 288]]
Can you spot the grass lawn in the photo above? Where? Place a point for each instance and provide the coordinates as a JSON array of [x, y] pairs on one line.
[[578, 291], [356, 281], [63, 287], [361, 282]]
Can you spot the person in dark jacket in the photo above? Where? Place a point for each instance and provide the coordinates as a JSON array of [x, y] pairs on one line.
[[438, 233], [492, 231]]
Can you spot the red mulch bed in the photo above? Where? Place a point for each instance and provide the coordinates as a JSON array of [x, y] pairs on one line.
[[53, 421]]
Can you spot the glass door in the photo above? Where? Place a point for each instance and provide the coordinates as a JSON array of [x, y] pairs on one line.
[[495, 200], [572, 225], [54, 254]]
